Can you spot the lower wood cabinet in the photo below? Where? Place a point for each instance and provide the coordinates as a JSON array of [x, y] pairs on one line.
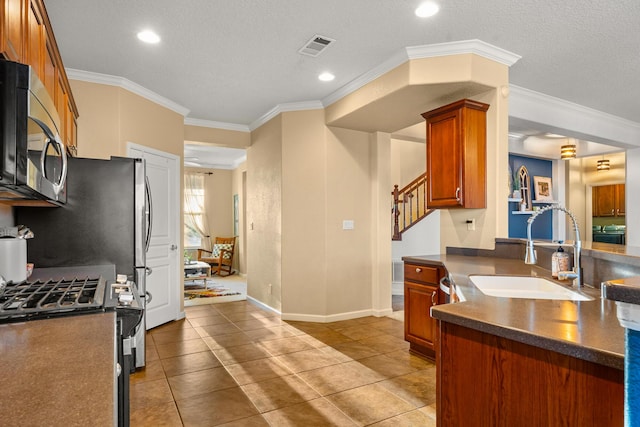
[[421, 292], [486, 380]]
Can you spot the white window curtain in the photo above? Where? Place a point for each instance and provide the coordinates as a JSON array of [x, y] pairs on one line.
[[196, 224]]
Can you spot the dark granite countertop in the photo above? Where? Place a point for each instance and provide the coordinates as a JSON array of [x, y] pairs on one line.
[[58, 372], [623, 290], [587, 330]]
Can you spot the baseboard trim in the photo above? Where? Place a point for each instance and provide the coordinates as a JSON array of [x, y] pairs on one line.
[[335, 317], [263, 305]]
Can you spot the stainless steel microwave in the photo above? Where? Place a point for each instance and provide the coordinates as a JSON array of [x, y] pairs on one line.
[[33, 164]]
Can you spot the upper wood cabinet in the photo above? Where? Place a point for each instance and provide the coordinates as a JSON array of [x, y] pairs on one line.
[[608, 200], [26, 36], [456, 155]]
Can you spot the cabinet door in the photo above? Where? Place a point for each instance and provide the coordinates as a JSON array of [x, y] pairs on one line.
[[420, 328], [605, 200], [11, 29], [35, 32], [620, 200], [444, 160]]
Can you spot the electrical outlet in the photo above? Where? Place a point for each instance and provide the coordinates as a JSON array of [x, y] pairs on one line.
[[471, 224]]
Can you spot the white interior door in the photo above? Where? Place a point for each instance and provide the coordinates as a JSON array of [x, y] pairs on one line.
[[163, 256]]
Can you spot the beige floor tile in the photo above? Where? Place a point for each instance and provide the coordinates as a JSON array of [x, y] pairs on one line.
[[217, 330], [279, 392], [369, 404], [355, 350], [227, 340], [269, 333], [241, 353], [417, 362], [415, 418], [171, 326], [152, 371], [287, 345], [330, 337], [209, 320], [149, 393], [150, 352], [315, 413], [417, 388], [182, 347], [215, 408], [201, 382], [358, 332], [165, 415], [385, 343], [307, 360], [254, 421], [257, 370], [308, 327], [337, 378], [249, 315], [265, 322], [189, 363], [175, 335], [386, 366]]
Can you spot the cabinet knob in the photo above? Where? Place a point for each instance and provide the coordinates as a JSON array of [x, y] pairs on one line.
[[418, 269], [611, 211]]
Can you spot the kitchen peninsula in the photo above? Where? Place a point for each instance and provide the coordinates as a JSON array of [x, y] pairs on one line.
[[540, 362]]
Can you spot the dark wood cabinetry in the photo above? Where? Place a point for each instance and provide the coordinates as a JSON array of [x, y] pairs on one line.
[[456, 155], [421, 292], [608, 200], [487, 380], [26, 36]]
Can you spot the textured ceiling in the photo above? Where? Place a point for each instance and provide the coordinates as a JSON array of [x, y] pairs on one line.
[[233, 61]]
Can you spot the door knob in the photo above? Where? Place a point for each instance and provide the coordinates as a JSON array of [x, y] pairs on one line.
[[173, 247]]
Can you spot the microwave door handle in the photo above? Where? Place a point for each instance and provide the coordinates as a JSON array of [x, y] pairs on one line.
[[147, 188], [63, 176]]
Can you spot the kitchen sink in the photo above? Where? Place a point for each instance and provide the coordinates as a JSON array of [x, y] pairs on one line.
[[525, 287]]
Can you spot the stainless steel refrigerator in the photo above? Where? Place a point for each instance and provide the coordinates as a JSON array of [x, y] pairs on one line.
[[106, 220]]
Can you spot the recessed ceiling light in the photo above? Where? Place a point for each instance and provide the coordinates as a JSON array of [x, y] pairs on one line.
[[427, 9], [149, 36], [326, 77]]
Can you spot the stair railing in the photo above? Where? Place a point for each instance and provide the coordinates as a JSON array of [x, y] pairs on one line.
[[409, 205]]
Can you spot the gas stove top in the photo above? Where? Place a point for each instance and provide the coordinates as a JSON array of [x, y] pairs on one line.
[[51, 298]]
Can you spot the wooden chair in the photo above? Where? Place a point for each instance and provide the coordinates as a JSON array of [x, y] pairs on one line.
[[220, 258]]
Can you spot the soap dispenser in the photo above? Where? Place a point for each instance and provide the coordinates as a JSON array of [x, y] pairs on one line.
[[559, 261]]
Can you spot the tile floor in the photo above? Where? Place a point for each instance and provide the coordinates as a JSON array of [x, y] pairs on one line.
[[235, 364]]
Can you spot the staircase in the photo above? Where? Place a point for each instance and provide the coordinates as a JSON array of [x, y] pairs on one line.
[[409, 205]]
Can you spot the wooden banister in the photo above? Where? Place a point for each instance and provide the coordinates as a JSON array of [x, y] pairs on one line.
[[409, 205]]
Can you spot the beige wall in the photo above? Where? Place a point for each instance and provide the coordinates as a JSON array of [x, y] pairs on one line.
[[218, 137], [238, 186], [264, 213], [408, 161]]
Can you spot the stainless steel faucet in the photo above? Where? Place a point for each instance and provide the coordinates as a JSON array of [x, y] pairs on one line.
[[530, 253]]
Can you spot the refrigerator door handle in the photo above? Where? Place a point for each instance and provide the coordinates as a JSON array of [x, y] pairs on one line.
[[149, 213], [148, 297], [148, 271]]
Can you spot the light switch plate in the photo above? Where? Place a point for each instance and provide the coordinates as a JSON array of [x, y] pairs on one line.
[[347, 224]]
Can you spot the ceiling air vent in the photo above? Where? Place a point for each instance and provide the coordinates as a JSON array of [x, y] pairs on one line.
[[316, 45]]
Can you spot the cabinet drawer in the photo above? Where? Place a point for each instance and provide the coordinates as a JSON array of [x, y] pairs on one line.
[[420, 273]]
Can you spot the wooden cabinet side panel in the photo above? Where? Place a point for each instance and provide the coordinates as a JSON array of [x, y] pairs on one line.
[[491, 381], [474, 158], [620, 200], [12, 29]]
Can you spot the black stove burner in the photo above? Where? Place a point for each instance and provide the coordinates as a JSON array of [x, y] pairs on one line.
[[40, 300]]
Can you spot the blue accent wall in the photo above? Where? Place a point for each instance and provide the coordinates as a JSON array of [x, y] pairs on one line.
[[542, 228]]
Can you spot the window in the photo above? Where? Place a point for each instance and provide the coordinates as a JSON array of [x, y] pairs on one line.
[[194, 214]]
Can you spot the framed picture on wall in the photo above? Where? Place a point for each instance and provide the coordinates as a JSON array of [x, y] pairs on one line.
[[542, 185]]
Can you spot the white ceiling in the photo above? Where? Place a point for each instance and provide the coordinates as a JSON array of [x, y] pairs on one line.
[[234, 61]]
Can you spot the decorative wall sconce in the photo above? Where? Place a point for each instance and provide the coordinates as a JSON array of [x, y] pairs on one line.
[[568, 152], [603, 165]]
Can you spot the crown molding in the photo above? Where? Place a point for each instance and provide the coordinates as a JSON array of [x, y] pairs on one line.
[[283, 108], [474, 46], [121, 82], [477, 47], [216, 125], [596, 125]]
